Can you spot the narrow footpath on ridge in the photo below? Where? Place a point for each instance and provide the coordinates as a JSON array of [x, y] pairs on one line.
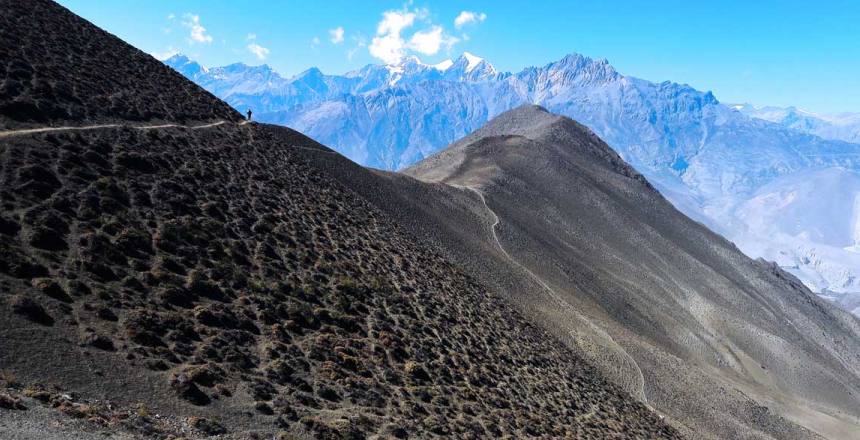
[[27, 131], [640, 380]]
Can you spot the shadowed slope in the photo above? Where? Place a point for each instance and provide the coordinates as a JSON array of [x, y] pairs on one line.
[[586, 223], [719, 338], [58, 67]]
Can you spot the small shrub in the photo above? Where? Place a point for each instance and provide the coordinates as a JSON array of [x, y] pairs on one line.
[[206, 426], [30, 309], [9, 402], [8, 379]]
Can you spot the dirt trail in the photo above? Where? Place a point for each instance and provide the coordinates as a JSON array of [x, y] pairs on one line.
[[639, 382], [23, 132], [26, 131]]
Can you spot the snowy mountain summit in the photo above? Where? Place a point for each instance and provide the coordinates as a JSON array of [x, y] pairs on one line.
[[715, 162]]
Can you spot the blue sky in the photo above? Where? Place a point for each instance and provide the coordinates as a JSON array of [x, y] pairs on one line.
[[788, 52]]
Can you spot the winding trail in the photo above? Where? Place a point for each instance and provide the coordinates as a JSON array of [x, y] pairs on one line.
[[26, 131], [640, 380], [318, 150]]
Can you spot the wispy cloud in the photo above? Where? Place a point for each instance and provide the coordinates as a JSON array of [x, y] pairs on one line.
[[388, 45], [336, 35], [467, 17], [197, 31], [260, 51], [360, 42], [170, 21], [315, 41], [429, 41]]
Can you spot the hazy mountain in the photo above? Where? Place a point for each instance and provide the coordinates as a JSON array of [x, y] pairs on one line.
[[839, 126], [709, 159], [809, 223]]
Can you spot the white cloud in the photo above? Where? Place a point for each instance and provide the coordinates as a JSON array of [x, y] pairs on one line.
[[388, 48], [171, 16], [389, 45], [393, 22], [198, 32], [260, 51], [315, 41], [251, 37], [336, 35], [429, 41], [467, 17]]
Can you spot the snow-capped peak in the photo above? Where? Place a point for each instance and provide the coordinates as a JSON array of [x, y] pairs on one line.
[[467, 67], [185, 65], [444, 65], [410, 60], [472, 61]]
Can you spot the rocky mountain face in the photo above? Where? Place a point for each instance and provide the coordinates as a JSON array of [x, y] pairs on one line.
[[199, 277], [540, 209], [707, 158]]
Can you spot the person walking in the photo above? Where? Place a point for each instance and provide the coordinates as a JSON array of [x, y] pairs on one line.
[[249, 114]]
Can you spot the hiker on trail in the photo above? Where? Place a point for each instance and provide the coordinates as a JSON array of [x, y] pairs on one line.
[[249, 114]]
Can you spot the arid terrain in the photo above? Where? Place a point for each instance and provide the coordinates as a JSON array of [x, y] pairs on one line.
[[167, 271], [537, 207]]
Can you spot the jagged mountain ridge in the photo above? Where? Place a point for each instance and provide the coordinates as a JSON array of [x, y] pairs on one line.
[[708, 158]]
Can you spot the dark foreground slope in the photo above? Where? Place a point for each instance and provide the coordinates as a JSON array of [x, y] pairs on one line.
[[267, 288], [725, 346], [192, 282], [57, 71]]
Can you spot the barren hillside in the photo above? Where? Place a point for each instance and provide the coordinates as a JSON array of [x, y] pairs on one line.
[[547, 215], [204, 279]]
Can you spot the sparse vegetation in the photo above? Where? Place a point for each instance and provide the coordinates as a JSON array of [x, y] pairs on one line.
[[8, 379], [321, 318]]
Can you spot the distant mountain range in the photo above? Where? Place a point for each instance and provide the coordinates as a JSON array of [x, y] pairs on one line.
[[839, 126], [711, 160]]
